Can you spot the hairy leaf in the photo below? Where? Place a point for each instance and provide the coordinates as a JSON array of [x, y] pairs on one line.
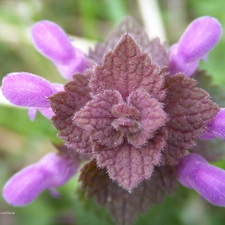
[[109, 119], [129, 165], [65, 104], [130, 26], [125, 69], [190, 109], [96, 118], [125, 206], [152, 117]]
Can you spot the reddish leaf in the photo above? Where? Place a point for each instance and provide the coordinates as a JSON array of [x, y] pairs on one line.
[[65, 104], [96, 118], [129, 26], [129, 165], [190, 109], [152, 117], [108, 119], [125, 206], [125, 69]]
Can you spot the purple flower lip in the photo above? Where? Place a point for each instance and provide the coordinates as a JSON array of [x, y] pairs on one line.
[[50, 172], [195, 172], [51, 41], [29, 90], [216, 128], [198, 40]]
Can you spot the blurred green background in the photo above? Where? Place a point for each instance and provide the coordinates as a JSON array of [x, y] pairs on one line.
[[23, 142]]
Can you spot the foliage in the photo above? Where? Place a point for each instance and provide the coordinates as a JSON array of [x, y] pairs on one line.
[[23, 142]]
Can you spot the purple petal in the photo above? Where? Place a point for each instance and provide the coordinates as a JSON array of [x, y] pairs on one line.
[[198, 40], [60, 169], [50, 172], [209, 181], [59, 87], [25, 186], [51, 41], [216, 128], [77, 65], [25, 89], [47, 112], [178, 63]]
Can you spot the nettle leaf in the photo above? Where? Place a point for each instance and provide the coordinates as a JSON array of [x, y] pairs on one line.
[[157, 52], [130, 26], [190, 109], [108, 118], [129, 165], [125, 206], [152, 117], [125, 69], [96, 118], [65, 104]]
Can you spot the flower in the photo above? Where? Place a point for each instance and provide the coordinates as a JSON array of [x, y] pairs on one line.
[[29, 90], [195, 172], [50, 172], [196, 42], [68, 59], [134, 113], [139, 117], [216, 127]]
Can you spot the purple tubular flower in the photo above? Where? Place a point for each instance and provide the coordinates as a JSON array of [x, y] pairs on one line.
[[195, 172], [50, 172], [25, 89], [28, 90], [216, 128], [197, 41], [51, 41]]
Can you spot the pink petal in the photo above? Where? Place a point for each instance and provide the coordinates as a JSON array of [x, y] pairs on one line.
[[77, 65], [198, 40], [47, 112], [50, 172], [51, 41], [195, 172], [60, 169], [216, 128], [29, 90], [25, 186]]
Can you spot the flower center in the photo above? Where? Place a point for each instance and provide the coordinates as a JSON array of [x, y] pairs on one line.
[[126, 125]]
